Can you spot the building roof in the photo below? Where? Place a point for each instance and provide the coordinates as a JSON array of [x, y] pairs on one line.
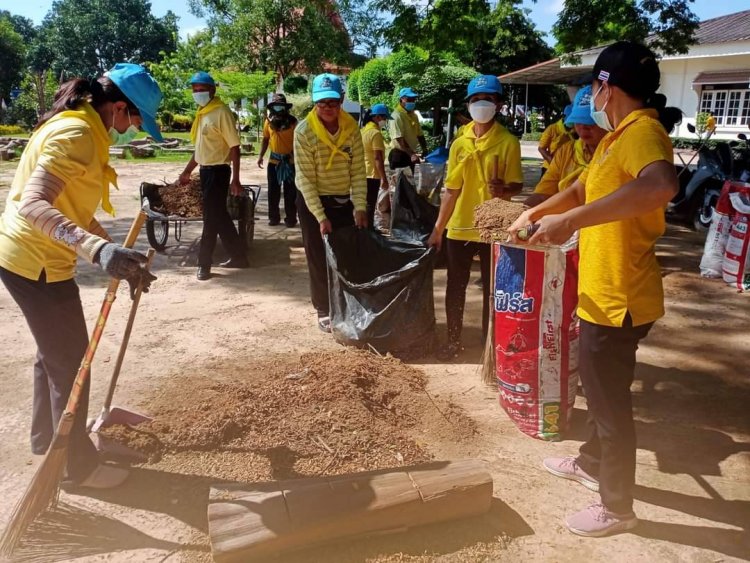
[[549, 72], [724, 29]]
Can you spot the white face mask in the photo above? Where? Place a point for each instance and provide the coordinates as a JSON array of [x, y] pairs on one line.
[[482, 111], [118, 138], [201, 98], [600, 117]]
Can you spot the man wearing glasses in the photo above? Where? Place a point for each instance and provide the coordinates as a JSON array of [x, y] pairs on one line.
[[331, 180], [405, 132]]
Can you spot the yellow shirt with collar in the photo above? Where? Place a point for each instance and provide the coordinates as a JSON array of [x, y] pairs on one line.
[[554, 137], [470, 167], [618, 271], [217, 134], [279, 142], [372, 140], [567, 165], [68, 148], [405, 125]]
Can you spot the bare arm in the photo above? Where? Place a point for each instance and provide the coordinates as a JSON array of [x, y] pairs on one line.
[[263, 149], [546, 155], [380, 167], [447, 206], [185, 176], [422, 144], [234, 157]]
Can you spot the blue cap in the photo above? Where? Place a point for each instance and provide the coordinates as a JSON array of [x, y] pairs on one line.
[[202, 77], [567, 109], [407, 93], [484, 84], [327, 86], [380, 109], [581, 111], [140, 88]]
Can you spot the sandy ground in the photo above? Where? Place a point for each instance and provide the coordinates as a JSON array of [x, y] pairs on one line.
[[690, 395]]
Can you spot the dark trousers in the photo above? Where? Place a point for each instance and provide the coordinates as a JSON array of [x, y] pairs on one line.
[[54, 314], [607, 366], [274, 198], [460, 255], [339, 216], [373, 188], [216, 219]]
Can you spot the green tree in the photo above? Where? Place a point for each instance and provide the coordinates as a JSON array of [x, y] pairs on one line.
[[374, 80], [282, 36], [88, 37], [238, 86], [12, 53], [23, 26], [587, 23], [364, 24]]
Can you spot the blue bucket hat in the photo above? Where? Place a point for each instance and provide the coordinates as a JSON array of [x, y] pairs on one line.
[[202, 77], [327, 86], [484, 84], [380, 109], [581, 112], [140, 88], [407, 93], [566, 110]]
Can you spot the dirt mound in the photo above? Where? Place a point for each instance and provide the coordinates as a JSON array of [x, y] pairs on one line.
[[185, 201], [332, 412], [493, 218]]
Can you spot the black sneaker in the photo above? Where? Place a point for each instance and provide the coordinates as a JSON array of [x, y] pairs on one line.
[[290, 224], [274, 222], [204, 273]]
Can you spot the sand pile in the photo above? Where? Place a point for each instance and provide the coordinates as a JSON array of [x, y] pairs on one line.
[[183, 201], [493, 218], [332, 412]]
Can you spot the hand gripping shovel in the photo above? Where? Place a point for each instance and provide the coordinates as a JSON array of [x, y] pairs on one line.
[[110, 415]]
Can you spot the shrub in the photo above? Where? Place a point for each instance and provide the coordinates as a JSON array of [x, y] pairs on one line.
[[531, 136], [295, 84], [11, 130], [167, 118], [181, 122]]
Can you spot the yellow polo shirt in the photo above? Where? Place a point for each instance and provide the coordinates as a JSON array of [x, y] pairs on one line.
[[470, 167], [569, 162], [217, 134], [554, 137], [67, 148], [372, 140], [405, 125], [618, 271], [280, 142]]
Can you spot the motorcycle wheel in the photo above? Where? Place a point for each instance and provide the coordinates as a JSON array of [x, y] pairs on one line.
[[703, 210]]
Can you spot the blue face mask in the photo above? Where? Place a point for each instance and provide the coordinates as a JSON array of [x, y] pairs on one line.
[[409, 106], [600, 117]]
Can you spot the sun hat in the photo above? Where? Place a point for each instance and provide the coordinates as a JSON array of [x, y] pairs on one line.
[[142, 90]]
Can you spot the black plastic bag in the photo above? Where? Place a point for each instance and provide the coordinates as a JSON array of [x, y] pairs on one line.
[[412, 216], [380, 292]]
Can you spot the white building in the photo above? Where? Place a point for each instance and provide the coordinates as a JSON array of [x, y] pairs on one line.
[[713, 76]]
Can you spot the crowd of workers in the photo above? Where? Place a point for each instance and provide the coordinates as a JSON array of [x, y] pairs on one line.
[[608, 174]]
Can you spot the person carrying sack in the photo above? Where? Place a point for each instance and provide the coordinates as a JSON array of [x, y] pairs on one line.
[[48, 222], [278, 134], [331, 180], [217, 143], [471, 179]]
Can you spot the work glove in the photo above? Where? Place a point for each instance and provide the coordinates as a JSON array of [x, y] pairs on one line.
[[142, 279], [119, 262]]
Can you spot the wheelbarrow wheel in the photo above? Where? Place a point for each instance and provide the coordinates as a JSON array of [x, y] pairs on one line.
[[157, 233]]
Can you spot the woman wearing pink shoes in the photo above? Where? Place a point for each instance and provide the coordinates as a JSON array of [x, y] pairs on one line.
[[618, 205]]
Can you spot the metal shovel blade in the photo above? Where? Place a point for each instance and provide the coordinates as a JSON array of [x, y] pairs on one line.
[[117, 415], [114, 450]]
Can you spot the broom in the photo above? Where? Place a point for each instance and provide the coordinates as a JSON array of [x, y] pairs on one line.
[[42, 493], [488, 371]]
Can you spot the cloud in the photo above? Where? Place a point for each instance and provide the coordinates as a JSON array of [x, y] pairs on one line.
[[185, 31], [553, 6]]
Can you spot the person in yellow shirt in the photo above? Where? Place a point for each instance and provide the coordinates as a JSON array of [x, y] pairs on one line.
[[278, 134], [571, 159], [618, 204], [469, 182], [331, 180], [48, 222], [374, 146], [554, 137], [406, 132], [217, 143]]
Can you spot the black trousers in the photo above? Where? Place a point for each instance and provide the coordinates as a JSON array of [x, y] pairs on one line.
[[339, 216], [274, 198], [216, 219], [373, 188], [607, 367], [460, 255], [54, 314]]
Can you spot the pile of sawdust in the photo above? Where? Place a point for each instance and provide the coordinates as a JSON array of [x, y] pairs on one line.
[[494, 217], [183, 201], [328, 413]]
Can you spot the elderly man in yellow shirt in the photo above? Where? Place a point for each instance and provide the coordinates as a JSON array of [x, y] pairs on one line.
[[331, 180], [470, 181], [405, 132], [618, 204], [554, 137], [217, 143], [571, 159]]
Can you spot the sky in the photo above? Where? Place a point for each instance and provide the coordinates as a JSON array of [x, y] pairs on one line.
[[543, 12]]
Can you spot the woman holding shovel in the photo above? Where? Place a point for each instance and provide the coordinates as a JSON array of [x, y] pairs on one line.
[[48, 222], [618, 204], [485, 162]]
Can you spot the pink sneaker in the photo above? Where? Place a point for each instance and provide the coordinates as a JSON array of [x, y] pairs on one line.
[[596, 521], [568, 468]]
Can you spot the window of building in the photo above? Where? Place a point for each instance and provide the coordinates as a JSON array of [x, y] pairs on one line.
[[731, 108]]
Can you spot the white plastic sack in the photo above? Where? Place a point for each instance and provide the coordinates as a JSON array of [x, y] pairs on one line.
[[736, 266]]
